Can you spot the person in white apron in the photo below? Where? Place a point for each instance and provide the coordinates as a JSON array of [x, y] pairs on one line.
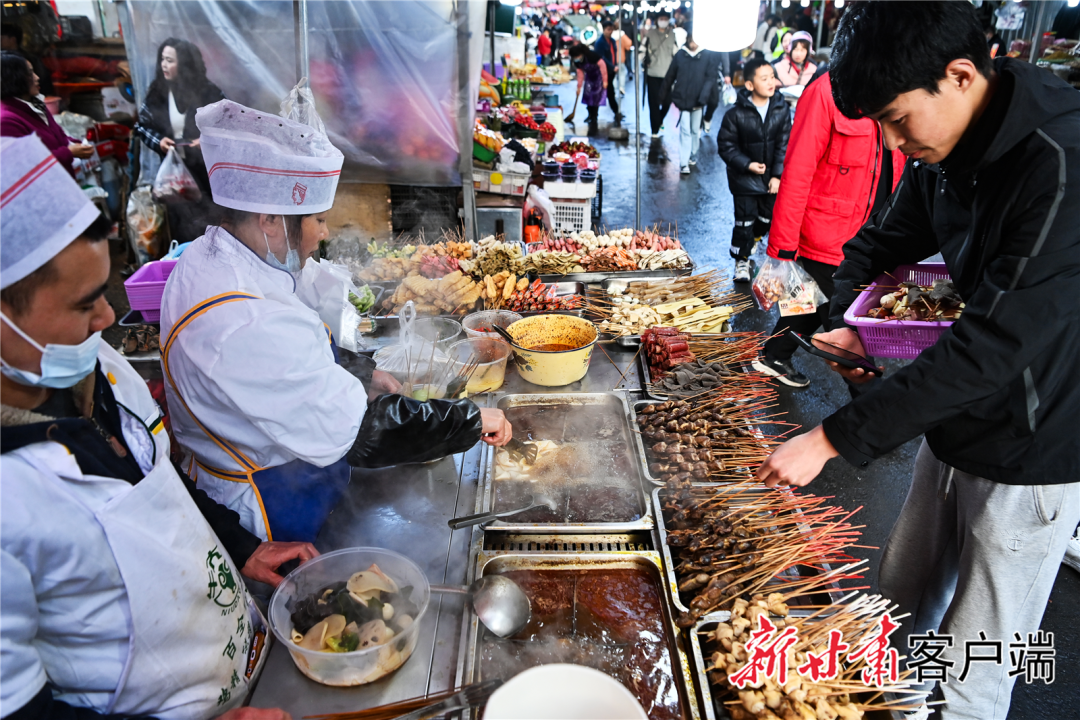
[[118, 595], [271, 421]]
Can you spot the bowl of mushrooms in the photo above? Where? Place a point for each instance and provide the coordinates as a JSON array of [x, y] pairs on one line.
[[351, 616]]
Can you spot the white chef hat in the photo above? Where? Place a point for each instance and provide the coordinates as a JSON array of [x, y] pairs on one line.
[[259, 162], [42, 209]]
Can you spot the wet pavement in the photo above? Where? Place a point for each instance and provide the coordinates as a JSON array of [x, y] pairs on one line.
[[700, 206]]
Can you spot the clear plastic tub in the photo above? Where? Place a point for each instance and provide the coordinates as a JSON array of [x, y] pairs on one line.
[[442, 331], [360, 666], [491, 371], [474, 323]]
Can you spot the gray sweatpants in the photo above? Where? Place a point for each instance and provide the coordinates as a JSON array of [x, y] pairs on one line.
[[967, 555]]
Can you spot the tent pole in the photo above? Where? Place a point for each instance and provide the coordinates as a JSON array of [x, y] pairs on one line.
[[637, 117], [300, 29], [465, 121]]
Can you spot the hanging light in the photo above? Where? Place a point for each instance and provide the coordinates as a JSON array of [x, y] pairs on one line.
[[785, 3], [726, 26], [804, 3], [839, 4], [1073, 3], [510, 2]]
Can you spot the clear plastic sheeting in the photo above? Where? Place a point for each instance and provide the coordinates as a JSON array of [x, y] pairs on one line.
[[384, 74]]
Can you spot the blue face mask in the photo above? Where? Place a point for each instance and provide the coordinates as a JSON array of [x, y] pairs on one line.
[[61, 365], [292, 257]]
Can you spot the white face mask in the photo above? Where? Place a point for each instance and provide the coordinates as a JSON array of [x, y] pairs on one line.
[[292, 257], [61, 365], [662, 24]]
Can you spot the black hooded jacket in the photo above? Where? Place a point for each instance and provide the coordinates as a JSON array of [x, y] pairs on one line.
[[690, 78], [997, 396], [744, 139]]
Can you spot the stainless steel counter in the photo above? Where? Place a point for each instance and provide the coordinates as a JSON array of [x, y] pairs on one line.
[[405, 509]]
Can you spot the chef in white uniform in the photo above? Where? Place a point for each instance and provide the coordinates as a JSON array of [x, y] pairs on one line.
[[256, 396], [119, 592]]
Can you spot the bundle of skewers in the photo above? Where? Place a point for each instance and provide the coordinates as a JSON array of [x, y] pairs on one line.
[[699, 303], [734, 542], [847, 696], [705, 363], [911, 301], [711, 439]]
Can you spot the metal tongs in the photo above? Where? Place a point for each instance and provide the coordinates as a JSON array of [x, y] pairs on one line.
[[470, 696], [522, 451]]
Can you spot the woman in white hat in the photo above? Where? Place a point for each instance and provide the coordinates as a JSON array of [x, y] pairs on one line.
[[121, 589], [272, 422]]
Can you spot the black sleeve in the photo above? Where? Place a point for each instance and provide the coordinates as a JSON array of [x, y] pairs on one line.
[[899, 234], [669, 80], [359, 366], [1035, 273], [781, 144], [725, 64], [44, 707], [397, 429], [147, 131], [225, 523], [727, 142]]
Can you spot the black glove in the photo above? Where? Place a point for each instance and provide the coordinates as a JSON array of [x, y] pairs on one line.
[[397, 429]]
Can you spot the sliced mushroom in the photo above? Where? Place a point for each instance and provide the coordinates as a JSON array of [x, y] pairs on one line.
[[368, 583], [315, 638]]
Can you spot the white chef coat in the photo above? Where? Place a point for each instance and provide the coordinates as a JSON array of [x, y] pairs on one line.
[[66, 616], [258, 373]]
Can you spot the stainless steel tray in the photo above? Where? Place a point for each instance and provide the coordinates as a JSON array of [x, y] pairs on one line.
[[620, 409], [595, 277], [562, 289], [488, 563], [711, 710], [642, 451], [669, 563]]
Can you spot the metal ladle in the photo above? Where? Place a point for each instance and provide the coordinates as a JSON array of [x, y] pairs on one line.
[[498, 602]]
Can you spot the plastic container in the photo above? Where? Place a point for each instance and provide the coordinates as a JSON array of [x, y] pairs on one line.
[[491, 372], [360, 666], [473, 324], [146, 286], [481, 153], [896, 338], [439, 330]]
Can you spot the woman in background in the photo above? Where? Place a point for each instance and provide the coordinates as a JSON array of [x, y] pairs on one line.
[[796, 67], [22, 112], [167, 120]]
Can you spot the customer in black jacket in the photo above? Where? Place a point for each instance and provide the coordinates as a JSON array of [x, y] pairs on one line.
[[688, 85], [993, 184], [167, 117], [752, 141]]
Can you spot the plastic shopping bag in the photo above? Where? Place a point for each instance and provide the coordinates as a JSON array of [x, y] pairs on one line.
[[728, 95], [785, 283], [144, 223], [327, 288], [422, 369], [174, 182]]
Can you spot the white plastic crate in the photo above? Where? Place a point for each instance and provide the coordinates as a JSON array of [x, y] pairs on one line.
[[558, 190], [572, 215], [509, 183]]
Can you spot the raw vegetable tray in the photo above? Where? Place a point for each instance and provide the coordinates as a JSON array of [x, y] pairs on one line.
[[896, 338]]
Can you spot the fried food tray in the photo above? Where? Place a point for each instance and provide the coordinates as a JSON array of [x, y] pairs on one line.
[[489, 563], [584, 415]]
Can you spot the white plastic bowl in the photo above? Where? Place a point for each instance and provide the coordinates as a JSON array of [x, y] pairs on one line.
[[360, 666], [563, 692]]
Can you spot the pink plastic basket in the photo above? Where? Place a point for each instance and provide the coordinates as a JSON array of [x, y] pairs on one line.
[[896, 338], [146, 286]]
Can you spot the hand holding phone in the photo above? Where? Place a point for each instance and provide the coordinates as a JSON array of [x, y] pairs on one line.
[[835, 354]]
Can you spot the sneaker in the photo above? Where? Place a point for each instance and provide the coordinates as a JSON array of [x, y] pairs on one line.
[[692, 162], [742, 271], [655, 135], [782, 370], [685, 170], [1072, 552], [706, 125], [920, 713]]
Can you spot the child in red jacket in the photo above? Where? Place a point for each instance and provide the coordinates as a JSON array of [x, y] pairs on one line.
[[837, 173]]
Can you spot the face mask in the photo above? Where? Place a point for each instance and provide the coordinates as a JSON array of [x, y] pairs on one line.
[[292, 257], [662, 24], [61, 365]]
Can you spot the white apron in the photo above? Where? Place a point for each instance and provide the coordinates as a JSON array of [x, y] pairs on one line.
[[196, 639]]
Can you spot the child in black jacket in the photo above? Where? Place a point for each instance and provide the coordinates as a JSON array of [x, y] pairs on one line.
[[752, 141]]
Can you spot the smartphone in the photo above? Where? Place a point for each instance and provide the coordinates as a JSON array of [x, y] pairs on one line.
[[838, 355]]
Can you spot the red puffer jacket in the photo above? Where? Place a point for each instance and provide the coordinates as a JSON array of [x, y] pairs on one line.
[[831, 171]]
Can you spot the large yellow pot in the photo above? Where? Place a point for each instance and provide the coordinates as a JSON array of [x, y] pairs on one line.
[[553, 368]]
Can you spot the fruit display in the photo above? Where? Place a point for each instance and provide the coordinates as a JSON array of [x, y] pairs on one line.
[[570, 148], [489, 139], [454, 293]]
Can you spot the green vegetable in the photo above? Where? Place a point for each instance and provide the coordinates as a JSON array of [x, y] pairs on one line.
[[346, 643], [364, 301]]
